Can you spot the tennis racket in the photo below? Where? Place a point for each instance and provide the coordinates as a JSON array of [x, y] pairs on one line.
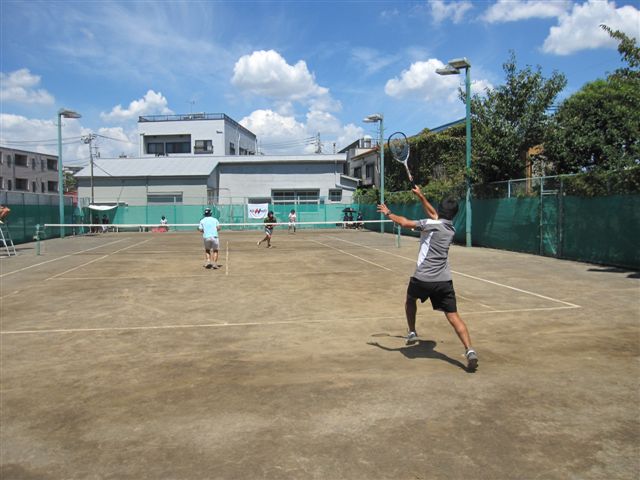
[[399, 148]]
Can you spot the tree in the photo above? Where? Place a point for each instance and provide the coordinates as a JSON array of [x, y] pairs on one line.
[[629, 51], [511, 119], [598, 128], [436, 159]]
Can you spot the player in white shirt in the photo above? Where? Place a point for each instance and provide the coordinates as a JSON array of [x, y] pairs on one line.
[[292, 221]]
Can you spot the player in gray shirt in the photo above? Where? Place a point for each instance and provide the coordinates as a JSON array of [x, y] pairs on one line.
[[432, 278]]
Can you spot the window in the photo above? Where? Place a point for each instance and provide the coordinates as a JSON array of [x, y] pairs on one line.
[[42, 187], [155, 148], [34, 189], [9, 187], [33, 164], [52, 186], [258, 200], [178, 147], [284, 196], [164, 198], [369, 171], [203, 146], [357, 172], [52, 164], [42, 164], [296, 196], [1, 183], [335, 195], [21, 161], [232, 148], [9, 162], [22, 184]]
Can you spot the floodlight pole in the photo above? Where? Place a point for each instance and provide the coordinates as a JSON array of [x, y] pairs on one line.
[[63, 112], [453, 68], [468, 173], [379, 117]]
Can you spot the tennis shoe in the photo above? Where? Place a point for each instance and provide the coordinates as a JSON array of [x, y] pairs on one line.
[[472, 359], [411, 338], [208, 265], [215, 266]]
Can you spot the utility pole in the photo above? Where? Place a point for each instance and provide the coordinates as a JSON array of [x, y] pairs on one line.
[[88, 139], [318, 144]]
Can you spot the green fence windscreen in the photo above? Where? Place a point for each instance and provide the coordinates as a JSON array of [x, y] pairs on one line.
[[592, 229]]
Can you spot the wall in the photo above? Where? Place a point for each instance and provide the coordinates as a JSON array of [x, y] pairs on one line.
[[200, 130], [133, 191], [258, 180], [10, 171]]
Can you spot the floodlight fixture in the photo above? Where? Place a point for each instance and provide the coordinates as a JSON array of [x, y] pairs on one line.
[[63, 112]]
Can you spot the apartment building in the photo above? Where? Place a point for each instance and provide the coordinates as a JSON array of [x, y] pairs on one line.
[[26, 171]]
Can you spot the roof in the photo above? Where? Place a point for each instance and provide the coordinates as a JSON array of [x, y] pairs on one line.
[[200, 166], [310, 158], [447, 126], [190, 166]]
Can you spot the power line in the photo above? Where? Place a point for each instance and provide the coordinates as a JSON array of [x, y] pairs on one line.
[[48, 141], [116, 139]]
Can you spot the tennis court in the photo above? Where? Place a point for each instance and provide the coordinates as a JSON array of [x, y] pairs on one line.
[[122, 357]]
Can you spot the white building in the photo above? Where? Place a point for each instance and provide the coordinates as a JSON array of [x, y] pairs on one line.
[[199, 180], [202, 159], [363, 161], [194, 134]]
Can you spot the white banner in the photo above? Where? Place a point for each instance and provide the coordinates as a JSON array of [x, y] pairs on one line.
[[258, 210]]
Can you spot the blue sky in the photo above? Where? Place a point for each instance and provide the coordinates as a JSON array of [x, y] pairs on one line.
[[286, 70]]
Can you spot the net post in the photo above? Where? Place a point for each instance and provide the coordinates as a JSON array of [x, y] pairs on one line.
[[37, 239]]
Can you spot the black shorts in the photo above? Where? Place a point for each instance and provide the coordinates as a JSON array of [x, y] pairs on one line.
[[441, 294]]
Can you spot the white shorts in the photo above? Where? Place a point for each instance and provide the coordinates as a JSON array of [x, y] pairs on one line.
[[211, 243]]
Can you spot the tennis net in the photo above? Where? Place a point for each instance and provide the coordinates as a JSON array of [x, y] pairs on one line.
[[284, 235]]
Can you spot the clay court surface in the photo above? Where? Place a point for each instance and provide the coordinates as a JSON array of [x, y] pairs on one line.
[[123, 358]]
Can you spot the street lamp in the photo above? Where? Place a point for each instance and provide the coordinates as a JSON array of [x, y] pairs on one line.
[[63, 112], [453, 68], [374, 118]]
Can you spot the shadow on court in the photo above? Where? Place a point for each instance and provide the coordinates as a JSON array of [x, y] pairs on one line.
[[422, 349], [632, 273]]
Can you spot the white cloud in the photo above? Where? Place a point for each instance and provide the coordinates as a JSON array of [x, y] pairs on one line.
[[42, 136], [422, 82], [580, 29], [440, 10], [283, 134], [515, 10], [268, 74], [118, 142], [151, 103], [19, 87], [275, 132]]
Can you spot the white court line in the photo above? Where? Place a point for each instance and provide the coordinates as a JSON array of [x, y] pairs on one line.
[[59, 258], [570, 305], [157, 327], [97, 259], [347, 253], [245, 324], [131, 277], [235, 275]]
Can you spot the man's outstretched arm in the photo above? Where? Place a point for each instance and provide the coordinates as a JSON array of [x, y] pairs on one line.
[[426, 206], [399, 219]]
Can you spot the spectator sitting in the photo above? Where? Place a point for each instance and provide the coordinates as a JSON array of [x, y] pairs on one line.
[[4, 213]]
